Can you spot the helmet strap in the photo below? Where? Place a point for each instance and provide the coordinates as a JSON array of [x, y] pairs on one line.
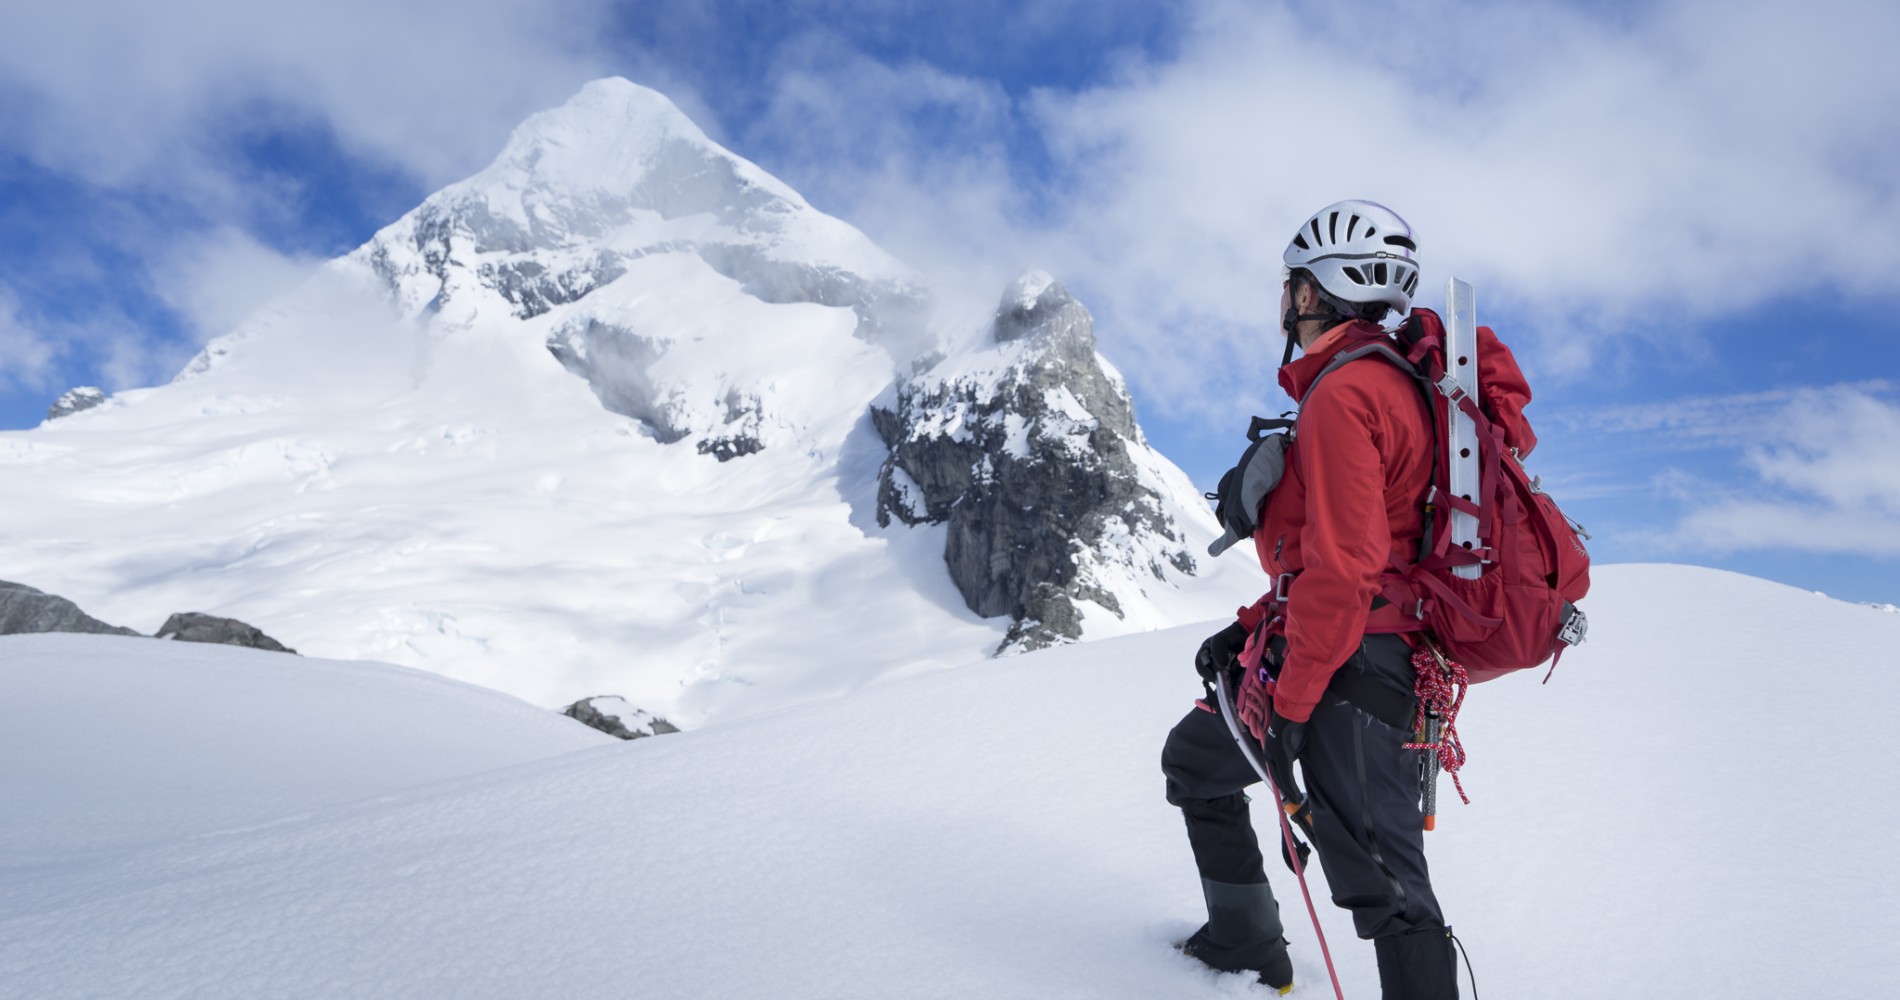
[[1290, 323]]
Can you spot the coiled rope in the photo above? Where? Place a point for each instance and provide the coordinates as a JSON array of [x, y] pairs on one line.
[[1440, 688]]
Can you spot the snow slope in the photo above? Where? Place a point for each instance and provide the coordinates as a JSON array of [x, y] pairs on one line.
[[111, 743], [1691, 808]]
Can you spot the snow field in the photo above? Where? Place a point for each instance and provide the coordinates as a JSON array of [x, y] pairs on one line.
[[469, 507], [112, 743], [1640, 829]]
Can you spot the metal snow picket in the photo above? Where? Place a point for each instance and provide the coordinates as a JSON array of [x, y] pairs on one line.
[[1461, 372]]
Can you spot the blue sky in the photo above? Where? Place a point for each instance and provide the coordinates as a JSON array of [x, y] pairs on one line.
[[1684, 216]]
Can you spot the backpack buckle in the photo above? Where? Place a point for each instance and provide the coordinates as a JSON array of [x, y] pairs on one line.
[[1450, 389], [1575, 626]]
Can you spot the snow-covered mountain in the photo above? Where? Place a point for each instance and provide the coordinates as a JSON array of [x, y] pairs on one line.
[[1681, 812], [598, 420]]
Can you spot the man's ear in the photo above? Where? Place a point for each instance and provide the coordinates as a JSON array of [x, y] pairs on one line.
[[1306, 300]]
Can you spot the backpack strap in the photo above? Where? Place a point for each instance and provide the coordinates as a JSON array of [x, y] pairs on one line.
[[1409, 335]]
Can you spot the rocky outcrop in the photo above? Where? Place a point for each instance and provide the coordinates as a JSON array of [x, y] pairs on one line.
[[84, 397], [1025, 452], [615, 717], [24, 609], [618, 364], [190, 626]]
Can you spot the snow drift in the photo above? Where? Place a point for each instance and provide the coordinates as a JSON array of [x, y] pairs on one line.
[[1682, 812]]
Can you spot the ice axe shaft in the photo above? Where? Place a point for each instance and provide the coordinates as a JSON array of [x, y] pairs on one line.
[[1287, 810]]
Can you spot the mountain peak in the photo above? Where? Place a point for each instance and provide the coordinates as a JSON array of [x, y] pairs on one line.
[[617, 146], [617, 174], [1030, 302]]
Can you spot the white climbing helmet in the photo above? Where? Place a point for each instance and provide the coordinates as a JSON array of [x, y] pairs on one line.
[[1359, 252]]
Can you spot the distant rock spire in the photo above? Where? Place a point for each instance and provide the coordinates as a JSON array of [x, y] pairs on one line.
[[1027, 451]]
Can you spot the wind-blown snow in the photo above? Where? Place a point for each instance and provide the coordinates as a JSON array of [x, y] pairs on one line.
[[1686, 810]]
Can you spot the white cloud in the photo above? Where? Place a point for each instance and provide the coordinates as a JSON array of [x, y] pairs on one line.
[[1586, 168], [1821, 470], [131, 94], [216, 279], [34, 349], [1698, 160], [910, 153], [142, 110], [126, 356], [1583, 166], [1730, 421], [27, 355]]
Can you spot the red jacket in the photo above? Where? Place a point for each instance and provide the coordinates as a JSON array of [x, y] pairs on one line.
[[1350, 505]]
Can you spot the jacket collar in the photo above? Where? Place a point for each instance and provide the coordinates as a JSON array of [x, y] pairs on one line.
[[1297, 376]]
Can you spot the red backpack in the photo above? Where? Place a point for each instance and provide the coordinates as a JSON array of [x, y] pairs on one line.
[[1521, 609]]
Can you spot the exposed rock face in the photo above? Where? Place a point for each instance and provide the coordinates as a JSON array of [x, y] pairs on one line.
[[190, 626], [84, 397], [615, 717], [23, 610], [1024, 451]]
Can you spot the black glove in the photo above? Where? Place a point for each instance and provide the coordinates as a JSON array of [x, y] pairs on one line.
[[1284, 743], [1220, 654]]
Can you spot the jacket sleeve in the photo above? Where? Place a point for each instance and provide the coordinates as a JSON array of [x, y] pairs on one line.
[[1345, 543]]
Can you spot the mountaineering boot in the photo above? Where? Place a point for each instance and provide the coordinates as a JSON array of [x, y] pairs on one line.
[[1242, 933], [1417, 965]]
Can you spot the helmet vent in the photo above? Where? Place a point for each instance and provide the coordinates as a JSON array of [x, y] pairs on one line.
[[1401, 241], [1353, 273], [1411, 283], [1332, 228], [1300, 241], [1350, 225], [1316, 236], [1378, 273]]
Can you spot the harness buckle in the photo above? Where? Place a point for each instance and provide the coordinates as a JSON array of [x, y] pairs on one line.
[[1282, 585]]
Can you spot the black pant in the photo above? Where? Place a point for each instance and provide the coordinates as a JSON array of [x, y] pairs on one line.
[[1368, 828]]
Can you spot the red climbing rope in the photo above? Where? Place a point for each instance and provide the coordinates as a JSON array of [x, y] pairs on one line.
[[1440, 689]]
